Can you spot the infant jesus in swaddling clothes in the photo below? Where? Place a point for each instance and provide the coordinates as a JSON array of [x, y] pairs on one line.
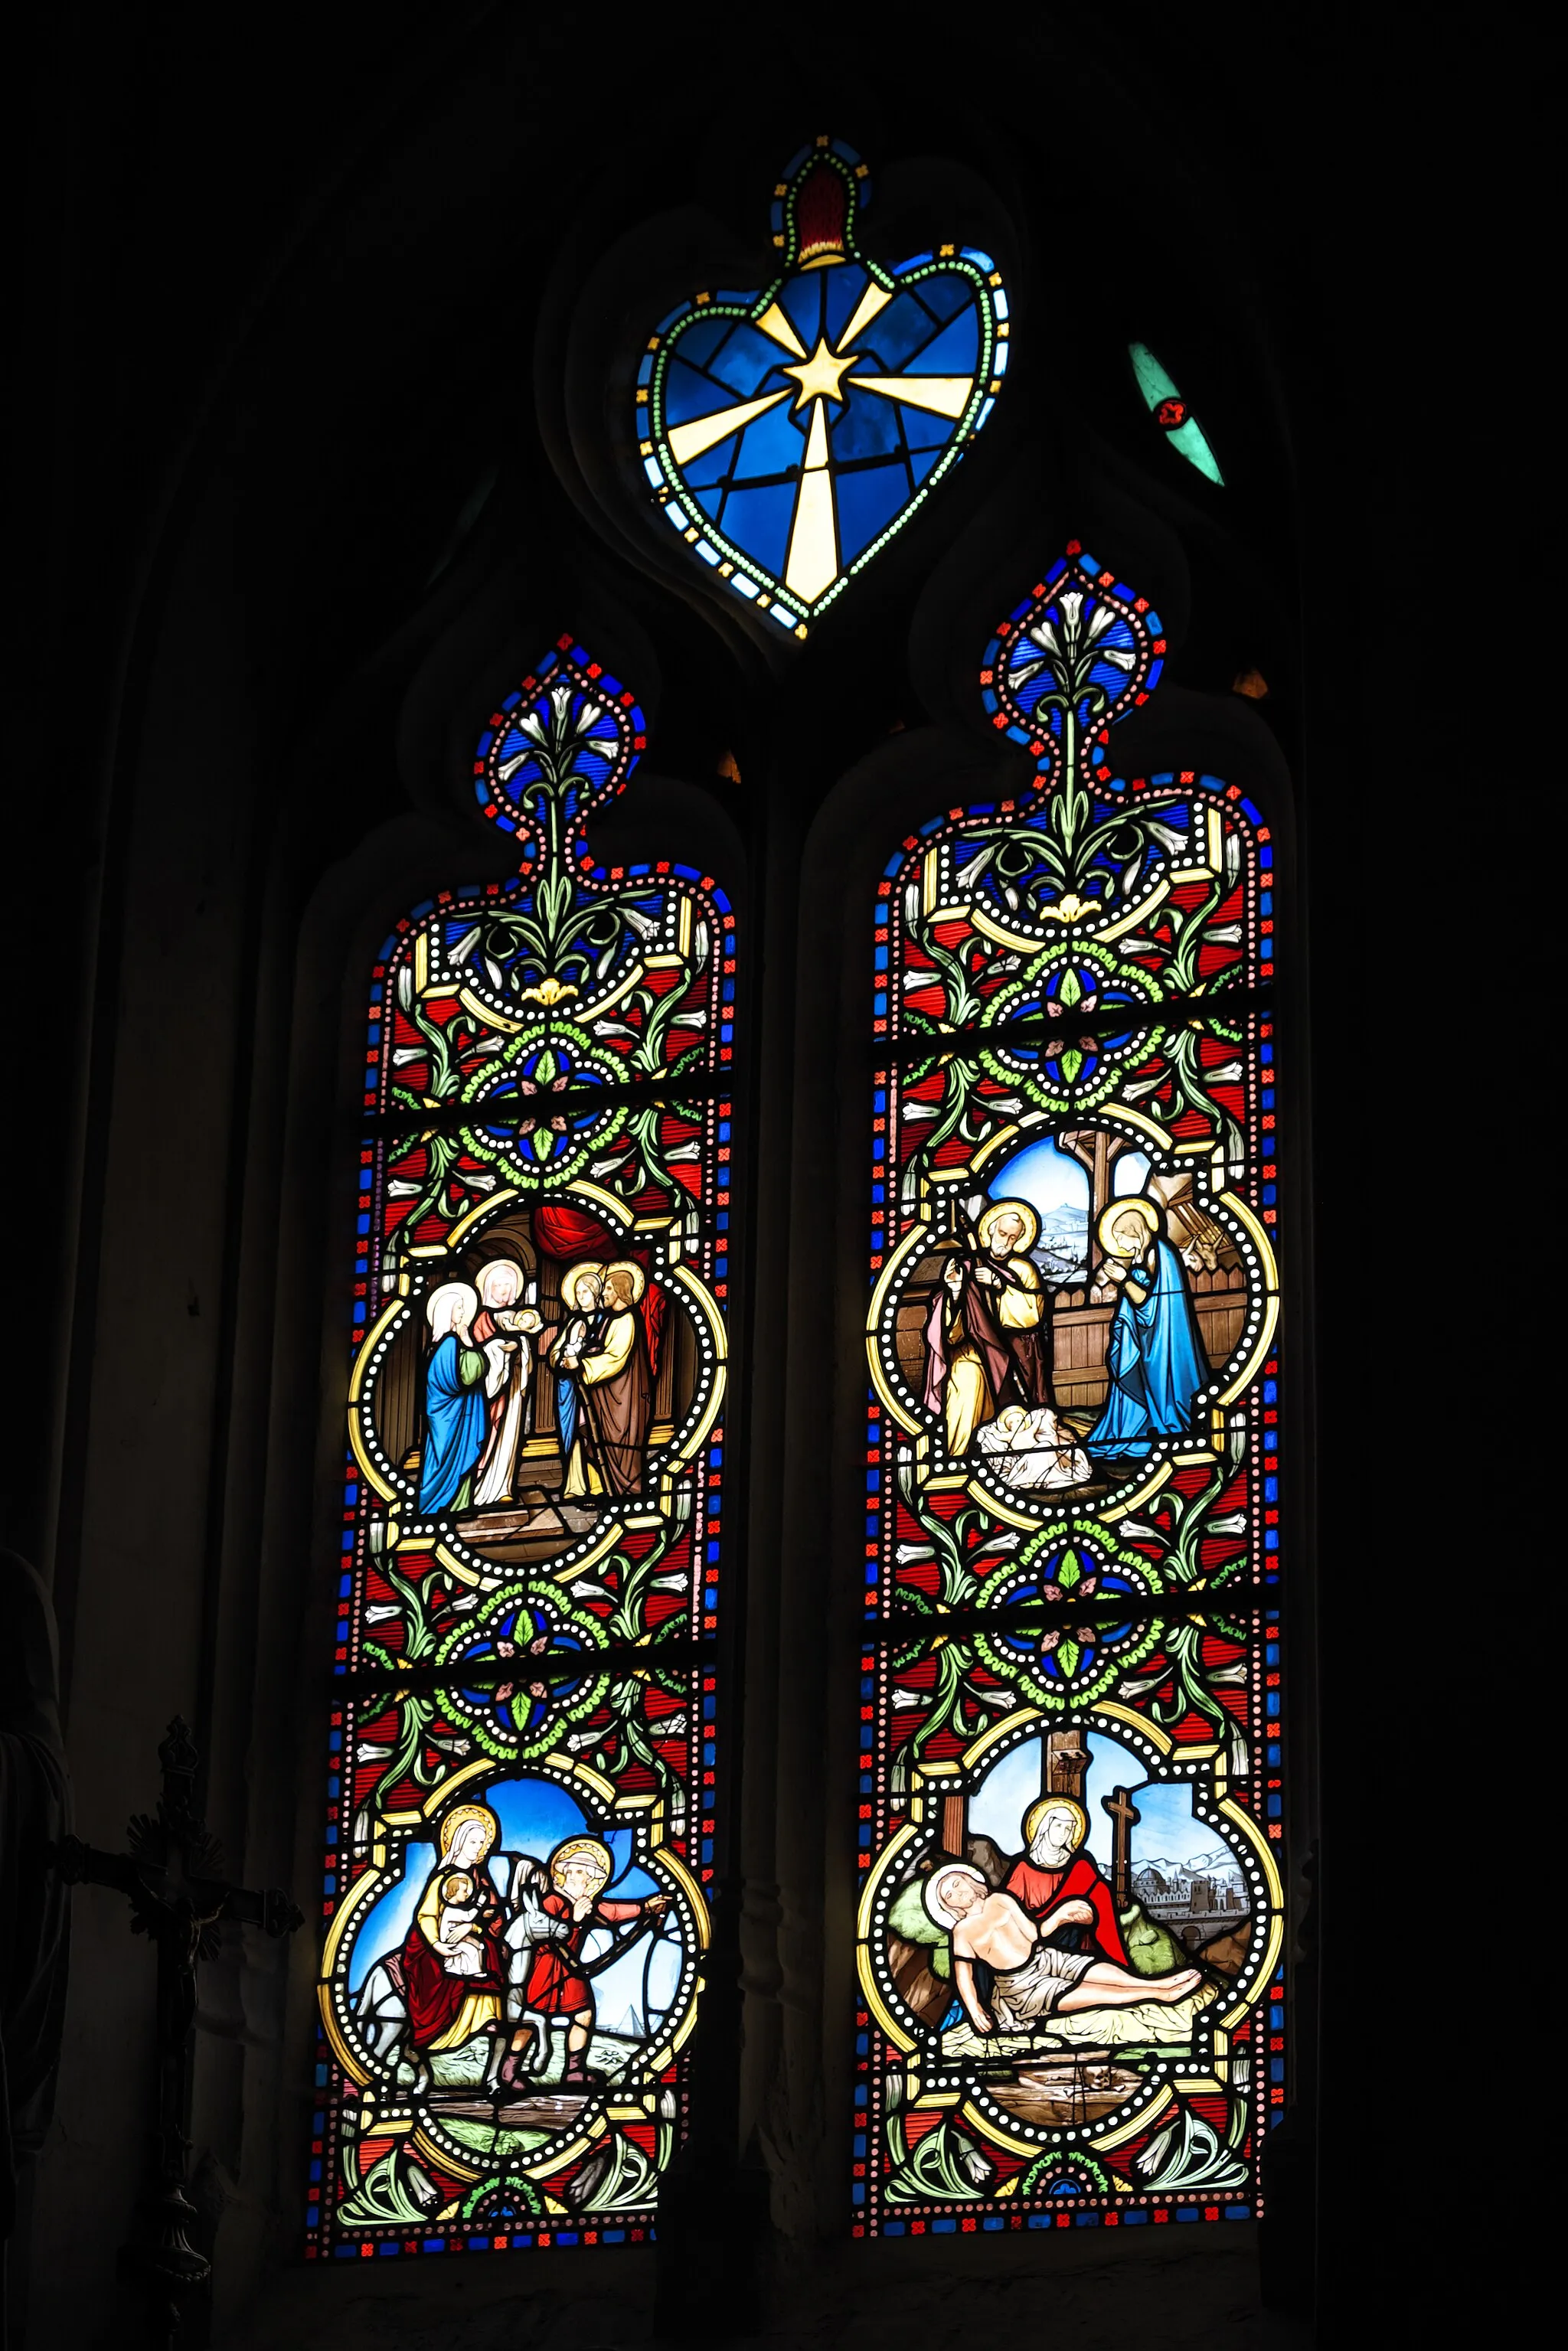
[[458, 1939], [1032, 1980]]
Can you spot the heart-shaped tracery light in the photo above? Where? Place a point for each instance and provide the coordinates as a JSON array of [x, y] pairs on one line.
[[789, 433]]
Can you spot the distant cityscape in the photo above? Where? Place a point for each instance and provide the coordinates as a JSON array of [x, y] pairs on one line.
[[1177, 1891]]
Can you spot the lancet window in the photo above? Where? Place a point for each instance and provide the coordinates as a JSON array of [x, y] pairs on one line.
[[1071, 2003], [520, 1826]]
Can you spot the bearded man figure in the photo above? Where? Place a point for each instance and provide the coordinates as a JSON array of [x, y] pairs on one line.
[[985, 1348]]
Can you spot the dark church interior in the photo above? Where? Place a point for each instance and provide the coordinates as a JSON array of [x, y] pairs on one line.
[[315, 454]]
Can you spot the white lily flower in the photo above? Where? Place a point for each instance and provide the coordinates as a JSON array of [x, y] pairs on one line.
[[685, 1151], [583, 1589], [1100, 621], [382, 1612], [485, 1181], [673, 1582], [1227, 933], [1071, 605], [367, 1751], [401, 1189], [1045, 636], [701, 940], [908, 1554], [1228, 1073], [670, 1726], [647, 928], [403, 1054], [1122, 660], [1008, 1541], [916, 1110]]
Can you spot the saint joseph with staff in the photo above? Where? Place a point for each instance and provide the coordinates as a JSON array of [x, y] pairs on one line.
[[985, 1347]]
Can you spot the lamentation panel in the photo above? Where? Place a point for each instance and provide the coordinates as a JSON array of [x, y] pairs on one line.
[[1071, 1814], [520, 1830]]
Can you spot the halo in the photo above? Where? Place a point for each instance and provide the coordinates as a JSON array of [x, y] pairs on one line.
[[581, 1848], [459, 1817], [569, 1279], [1019, 1209], [638, 1278], [1134, 1204], [936, 1908], [1037, 1811], [498, 1265], [447, 1293]]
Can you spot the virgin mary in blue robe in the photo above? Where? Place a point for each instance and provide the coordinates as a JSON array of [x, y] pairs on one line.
[[1155, 1356], [455, 1424]]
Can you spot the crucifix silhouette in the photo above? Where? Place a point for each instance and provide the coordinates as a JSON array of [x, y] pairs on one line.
[[1119, 1804], [173, 1877]]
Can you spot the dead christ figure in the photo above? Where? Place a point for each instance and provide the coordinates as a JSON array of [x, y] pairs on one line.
[[1032, 1980]]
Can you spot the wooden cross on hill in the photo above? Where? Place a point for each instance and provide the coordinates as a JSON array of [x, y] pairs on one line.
[[173, 1877], [1119, 1804]]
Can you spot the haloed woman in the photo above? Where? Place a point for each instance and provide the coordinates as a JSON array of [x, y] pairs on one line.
[[450, 2000]]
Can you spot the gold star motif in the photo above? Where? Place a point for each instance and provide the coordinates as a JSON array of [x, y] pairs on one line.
[[819, 376]]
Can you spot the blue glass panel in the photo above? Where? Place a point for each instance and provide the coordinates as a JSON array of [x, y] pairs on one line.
[[688, 394], [946, 294], [746, 358], [921, 462], [841, 290], [956, 351], [901, 329], [867, 426], [710, 500], [867, 504], [701, 339], [759, 520], [801, 302], [704, 471], [772, 444]]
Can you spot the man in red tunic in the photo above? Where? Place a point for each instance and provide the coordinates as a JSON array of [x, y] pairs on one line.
[[1059, 1885], [558, 1984]]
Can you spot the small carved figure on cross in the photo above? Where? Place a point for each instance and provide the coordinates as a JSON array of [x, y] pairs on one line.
[[173, 1877]]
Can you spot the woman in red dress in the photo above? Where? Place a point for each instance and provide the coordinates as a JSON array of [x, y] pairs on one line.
[[453, 1968], [558, 1984]]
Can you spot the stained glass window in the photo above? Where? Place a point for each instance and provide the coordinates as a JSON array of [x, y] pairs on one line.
[[1171, 412], [1070, 1806], [788, 432], [520, 1818]]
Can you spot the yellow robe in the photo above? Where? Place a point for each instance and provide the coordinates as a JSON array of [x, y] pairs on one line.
[[620, 1337], [968, 1399]]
